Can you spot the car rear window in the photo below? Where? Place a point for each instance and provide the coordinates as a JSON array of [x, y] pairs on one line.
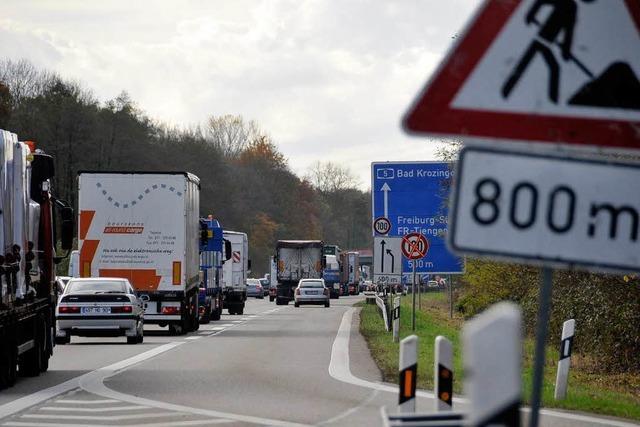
[[95, 286], [312, 284]]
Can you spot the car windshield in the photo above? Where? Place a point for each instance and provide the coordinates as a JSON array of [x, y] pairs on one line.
[[264, 282], [253, 282], [95, 286], [311, 284]]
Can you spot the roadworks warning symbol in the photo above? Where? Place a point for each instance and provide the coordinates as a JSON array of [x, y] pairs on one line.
[[547, 70]]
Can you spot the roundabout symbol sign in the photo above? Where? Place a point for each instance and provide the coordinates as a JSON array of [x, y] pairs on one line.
[[414, 246]]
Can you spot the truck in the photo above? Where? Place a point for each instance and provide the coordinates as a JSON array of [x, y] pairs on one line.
[[31, 221], [273, 278], [214, 252], [145, 227], [331, 275], [350, 272], [296, 259], [235, 272]]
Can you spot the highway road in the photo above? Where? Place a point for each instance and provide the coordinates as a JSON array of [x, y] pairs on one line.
[[275, 365]]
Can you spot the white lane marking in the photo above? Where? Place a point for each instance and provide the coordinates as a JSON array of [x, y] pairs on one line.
[[193, 338], [101, 417], [340, 370], [167, 424], [87, 402], [33, 399], [218, 328], [110, 409], [226, 325], [351, 411], [93, 383], [236, 321]]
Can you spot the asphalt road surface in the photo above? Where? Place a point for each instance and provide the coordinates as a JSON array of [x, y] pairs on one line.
[[274, 365]]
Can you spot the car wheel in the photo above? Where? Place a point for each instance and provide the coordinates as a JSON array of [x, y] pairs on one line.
[[271, 299], [216, 314], [133, 340], [296, 304], [240, 311], [327, 304]]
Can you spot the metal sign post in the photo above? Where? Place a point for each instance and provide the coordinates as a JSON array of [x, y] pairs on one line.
[[450, 284], [542, 330], [413, 296], [414, 247]]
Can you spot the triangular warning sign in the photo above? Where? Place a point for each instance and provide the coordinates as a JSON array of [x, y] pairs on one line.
[[562, 71]]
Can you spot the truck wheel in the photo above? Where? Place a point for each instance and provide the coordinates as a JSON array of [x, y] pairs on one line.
[[46, 350], [240, 311], [8, 362], [215, 315], [206, 318], [31, 361]]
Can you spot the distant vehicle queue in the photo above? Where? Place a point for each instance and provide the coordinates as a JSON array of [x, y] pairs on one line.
[[145, 256]]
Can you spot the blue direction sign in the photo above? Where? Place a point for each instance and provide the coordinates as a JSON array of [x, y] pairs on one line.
[[413, 196]]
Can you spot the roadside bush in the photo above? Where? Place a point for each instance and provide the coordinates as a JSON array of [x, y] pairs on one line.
[[606, 309]]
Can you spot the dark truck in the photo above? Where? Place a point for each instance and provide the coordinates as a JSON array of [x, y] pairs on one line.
[[295, 260], [34, 223]]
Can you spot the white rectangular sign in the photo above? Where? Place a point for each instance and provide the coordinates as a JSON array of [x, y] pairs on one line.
[[387, 260], [546, 209]]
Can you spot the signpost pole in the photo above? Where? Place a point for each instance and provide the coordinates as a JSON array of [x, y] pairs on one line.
[[544, 302], [450, 283], [420, 294], [413, 296]]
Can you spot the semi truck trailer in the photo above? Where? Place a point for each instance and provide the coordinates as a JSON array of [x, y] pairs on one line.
[[235, 272], [30, 218], [296, 259], [144, 226]]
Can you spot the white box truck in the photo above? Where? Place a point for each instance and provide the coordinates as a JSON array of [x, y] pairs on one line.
[[235, 272], [144, 227]]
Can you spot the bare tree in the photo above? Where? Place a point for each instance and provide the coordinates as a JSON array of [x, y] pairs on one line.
[[24, 80], [231, 135], [329, 177]]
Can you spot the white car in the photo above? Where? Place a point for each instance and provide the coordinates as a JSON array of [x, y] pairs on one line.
[[100, 307], [311, 291]]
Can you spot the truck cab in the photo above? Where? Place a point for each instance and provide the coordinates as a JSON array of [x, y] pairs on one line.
[[213, 254]]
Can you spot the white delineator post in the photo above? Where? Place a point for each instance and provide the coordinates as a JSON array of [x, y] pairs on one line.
[[396, 318], [562, 377], [492, 344], [408, 372], [443, 374]]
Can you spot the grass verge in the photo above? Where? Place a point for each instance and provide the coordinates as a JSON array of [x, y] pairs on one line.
[[615, 395]]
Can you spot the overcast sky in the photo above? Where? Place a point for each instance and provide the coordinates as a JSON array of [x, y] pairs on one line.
[[328, 80]]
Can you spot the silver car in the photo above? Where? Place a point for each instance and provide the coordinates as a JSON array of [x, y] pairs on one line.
[[99, 307], [311, 291]]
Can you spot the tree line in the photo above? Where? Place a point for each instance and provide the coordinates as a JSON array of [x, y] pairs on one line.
[[246, 182]]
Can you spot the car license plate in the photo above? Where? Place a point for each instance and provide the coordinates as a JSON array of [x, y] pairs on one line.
[[95, 310], [312, 292]]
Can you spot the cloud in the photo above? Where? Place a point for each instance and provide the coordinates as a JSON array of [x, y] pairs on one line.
[[327, 80]]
